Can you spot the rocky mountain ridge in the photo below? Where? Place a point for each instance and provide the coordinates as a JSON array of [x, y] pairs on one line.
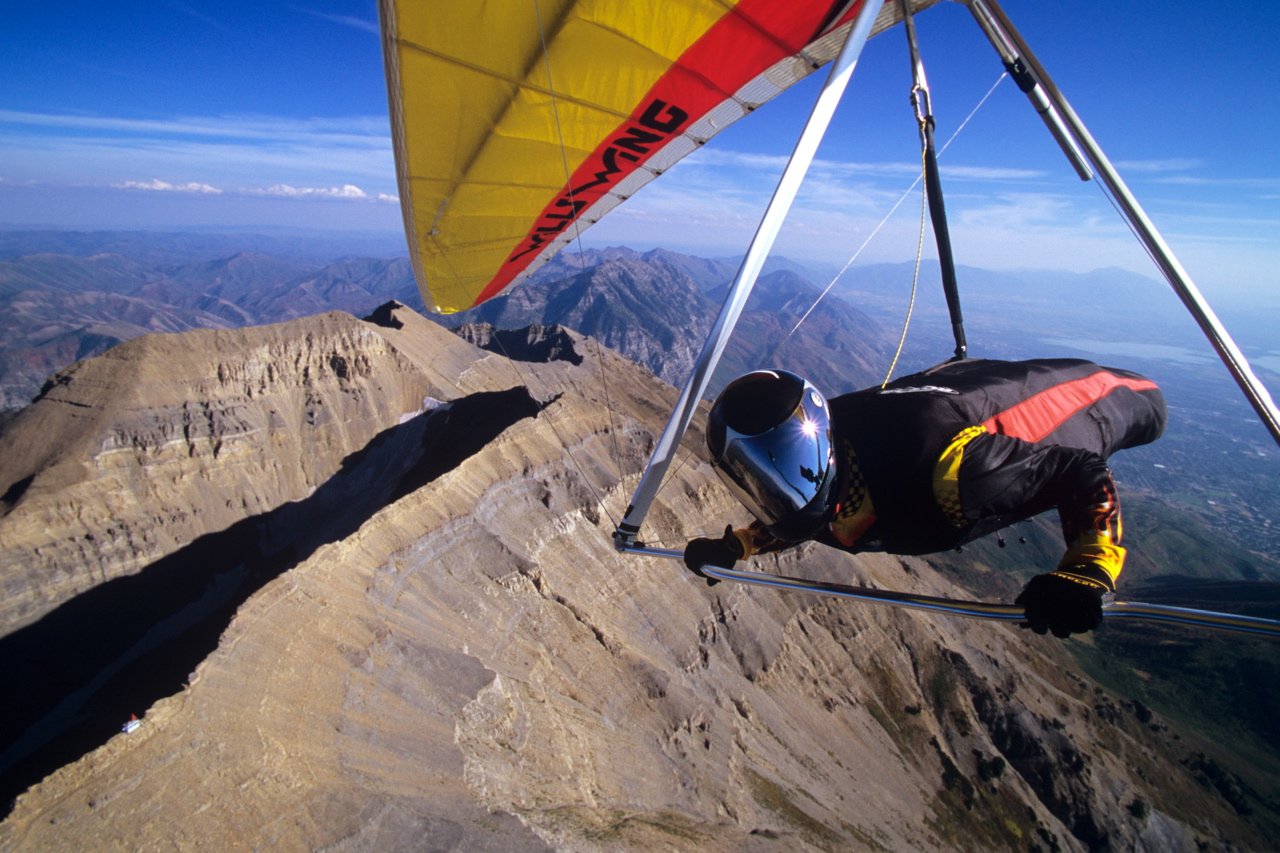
[[426, 634], [655, 306], [194, 442]]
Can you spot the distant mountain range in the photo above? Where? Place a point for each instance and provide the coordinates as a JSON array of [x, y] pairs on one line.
[[306, 245], [654, 307], [65, 296], [60, 306], [71, 295]]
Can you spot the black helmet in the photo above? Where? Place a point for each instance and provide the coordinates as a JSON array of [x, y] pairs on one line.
[[769, 433]]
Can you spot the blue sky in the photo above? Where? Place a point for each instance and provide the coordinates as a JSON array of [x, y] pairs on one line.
[[255, 114]]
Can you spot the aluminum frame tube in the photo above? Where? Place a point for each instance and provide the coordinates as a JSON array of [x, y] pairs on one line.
[[1111, 609], [767, 231], [1234, 360], [1030, 87]]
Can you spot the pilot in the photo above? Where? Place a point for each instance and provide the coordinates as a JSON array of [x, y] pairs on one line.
[[934, 460]]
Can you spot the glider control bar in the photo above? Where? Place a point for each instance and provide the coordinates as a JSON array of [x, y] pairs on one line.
[[1111, 610]]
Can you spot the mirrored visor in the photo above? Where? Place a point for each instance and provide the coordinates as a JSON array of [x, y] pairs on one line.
[[777, 473]]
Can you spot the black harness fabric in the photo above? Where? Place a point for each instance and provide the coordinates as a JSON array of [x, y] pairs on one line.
[[898, 433]]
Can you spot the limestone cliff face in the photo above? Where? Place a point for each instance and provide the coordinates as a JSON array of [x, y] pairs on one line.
[[474, 667]]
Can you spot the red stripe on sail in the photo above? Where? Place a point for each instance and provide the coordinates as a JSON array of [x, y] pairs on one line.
[[753, 36]]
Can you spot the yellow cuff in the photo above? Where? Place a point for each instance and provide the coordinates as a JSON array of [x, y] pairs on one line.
[[1092, 549]]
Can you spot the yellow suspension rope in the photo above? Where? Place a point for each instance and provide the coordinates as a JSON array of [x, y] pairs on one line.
[[915, 277]]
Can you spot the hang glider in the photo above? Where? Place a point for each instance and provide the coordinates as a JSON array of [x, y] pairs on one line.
[[517, 125]]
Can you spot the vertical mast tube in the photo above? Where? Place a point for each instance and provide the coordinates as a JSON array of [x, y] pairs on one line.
[[785, 193], [922, 100]]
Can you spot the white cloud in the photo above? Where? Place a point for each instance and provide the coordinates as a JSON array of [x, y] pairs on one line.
[[347, 21], [1180, 164], [351, 129], [989, 173], [236, 154], [347, 192], [157, 185]]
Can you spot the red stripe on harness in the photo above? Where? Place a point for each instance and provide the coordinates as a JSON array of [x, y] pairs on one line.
[[1042, 413]]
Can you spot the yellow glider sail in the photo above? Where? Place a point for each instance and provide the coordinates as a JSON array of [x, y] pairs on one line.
[[516, 124]]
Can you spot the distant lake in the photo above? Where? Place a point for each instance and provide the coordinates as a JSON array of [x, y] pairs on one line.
[[1160, 352]]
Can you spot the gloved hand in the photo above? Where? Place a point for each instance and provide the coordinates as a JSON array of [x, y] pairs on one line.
[[1065, 602], [722, 552]]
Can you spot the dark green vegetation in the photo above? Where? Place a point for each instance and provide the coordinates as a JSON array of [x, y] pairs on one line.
[[1166, 540], [1223, 689], [1218, 693], [1224, 685]]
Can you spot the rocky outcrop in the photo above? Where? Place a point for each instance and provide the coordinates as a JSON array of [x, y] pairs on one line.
[[471, 665], [126, 457], [656, 308], [533, 343]]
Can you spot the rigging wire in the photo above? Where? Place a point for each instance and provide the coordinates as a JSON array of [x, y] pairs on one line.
[[555, 115], [894, 209], [515, 366], [915, 279], [577, 238], [1115, 205], [919, 179]]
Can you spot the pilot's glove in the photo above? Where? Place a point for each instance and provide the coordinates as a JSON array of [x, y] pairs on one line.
[[722, 552], [1067, 601]]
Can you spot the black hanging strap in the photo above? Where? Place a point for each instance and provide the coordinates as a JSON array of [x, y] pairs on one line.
[[933, 183]]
